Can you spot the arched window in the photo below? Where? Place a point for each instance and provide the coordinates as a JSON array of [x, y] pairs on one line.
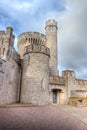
[[36, 41], [40, 42], [29, 40], [33, 41]]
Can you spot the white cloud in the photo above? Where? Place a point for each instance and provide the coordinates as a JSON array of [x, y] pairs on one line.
[[30, 15], [16, 5]]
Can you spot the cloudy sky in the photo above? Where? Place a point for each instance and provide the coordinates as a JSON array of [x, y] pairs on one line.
[[30, 15]]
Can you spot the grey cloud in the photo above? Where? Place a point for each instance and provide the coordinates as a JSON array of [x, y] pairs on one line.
[[73, 37]]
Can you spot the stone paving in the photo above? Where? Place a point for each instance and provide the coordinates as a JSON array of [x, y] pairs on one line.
[[78, 112], [38, 118]]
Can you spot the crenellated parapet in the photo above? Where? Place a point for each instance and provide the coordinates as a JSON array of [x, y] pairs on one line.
[[56, 80], [68, 73], [6, 42], [8, 34], [51, 22], [37, 49], [81, 83], [29, 38]]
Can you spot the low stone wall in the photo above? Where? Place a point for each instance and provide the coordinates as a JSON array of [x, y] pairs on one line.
[[57, 80]]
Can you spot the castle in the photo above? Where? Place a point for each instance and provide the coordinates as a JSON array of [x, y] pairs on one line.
[[30, 75]]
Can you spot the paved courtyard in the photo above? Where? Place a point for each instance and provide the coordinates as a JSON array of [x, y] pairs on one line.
[[40, 118], [78, 112]]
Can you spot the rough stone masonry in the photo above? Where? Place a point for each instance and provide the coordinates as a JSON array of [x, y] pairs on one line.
[[31, 75]]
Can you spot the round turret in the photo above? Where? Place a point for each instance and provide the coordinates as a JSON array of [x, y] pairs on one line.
[[35, 80], [51, 22], [29, 38]]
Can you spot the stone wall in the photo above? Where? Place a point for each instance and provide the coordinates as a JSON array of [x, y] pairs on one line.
[[16, 57], [81, 84], [9, 68], [35, 80], [72, 84], [57, 80], [58, 83], [69, 86], [9, 82]]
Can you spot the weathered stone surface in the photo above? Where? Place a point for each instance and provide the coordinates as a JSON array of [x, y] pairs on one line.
[[34, 79], [30, 38], [9, 68], [9, 81], [51, 43]]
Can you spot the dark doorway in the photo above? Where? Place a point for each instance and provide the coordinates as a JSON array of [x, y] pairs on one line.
[[54, 96]]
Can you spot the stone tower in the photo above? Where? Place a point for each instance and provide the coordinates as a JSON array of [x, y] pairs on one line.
[[35, 78], [51, 43], [27, 38], [6, 43], [9, 68]]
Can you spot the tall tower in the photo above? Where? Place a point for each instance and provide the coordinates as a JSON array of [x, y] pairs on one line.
[[51, 43], [35, 78]]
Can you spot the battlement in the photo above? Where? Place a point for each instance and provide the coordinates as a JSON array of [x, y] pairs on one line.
[[9, 30], [6, 42], [68, 73], [7, 34], [37, 49], [81, 82], [51, 22], [57, 80], [31, 38]]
